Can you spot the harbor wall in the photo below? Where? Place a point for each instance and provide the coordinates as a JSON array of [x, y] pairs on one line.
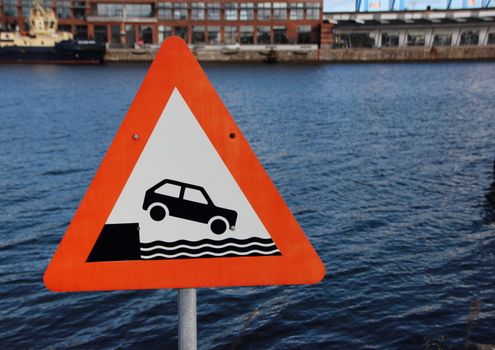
[[132, 55], [408, 54], [320, 55]]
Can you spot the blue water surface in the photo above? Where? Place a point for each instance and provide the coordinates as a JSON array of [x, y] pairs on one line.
[[387, 167]]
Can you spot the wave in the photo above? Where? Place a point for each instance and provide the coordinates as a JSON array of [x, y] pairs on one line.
[[224, 248], [226, 253], [192, 244], [253, 246], [158, 246]]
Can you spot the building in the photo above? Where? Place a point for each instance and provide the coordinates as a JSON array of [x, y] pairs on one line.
[[430, 28], [148, 22]]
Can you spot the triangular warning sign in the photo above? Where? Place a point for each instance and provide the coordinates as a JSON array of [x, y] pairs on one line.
[[180, 200]]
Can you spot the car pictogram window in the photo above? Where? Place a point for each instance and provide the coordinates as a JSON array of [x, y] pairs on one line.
[[194, 195], [169, 189]]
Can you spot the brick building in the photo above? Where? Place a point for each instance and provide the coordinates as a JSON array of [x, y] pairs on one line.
[[125, 23]]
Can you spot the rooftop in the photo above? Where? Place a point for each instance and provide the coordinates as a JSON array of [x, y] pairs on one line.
[[430, 16]]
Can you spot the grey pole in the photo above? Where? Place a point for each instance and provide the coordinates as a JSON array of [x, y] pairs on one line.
[[187, 319]]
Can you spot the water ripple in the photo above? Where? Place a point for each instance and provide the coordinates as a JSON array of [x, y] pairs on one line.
[[386, 167]]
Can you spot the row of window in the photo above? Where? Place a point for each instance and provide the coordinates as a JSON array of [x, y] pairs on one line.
[[121, 10], [441, 39], [357, 40], [62, 9], [180, 11], [212, 35], [233, 34], [233, 5], [244, 35], [235, 13]]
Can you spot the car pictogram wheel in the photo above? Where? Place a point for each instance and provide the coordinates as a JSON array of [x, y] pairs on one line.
[[218, 225], [158, 212]]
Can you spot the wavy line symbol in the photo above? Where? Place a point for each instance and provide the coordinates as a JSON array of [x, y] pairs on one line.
[[207, 247], [251, 252], [158, 246], [207, 241]]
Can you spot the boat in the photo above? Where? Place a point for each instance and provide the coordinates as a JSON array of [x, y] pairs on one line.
[[44, 44]]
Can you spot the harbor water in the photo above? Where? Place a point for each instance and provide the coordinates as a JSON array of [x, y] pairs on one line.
[[387, 167]]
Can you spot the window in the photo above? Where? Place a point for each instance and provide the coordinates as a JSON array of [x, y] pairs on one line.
[[279, 35], [194, 195], [180, 10], [81, 32], [101, 10], [213, 11], [341, 41], [470, 37], [264, 35], [230, 35], [101, 34], [198, 11], [297, 10], [265, 11], [415, 39], [366, 40], [303, 34], [213, 35], [63, 8], [141, 10], [79, 9], [247, 35], [130, 35], [390, 40], [181, 32], [120, 10], [25, 6], [230, 11], [146, 34], [115, 34], [198, 34], [165, 10], [10, 8], [442, 39], [279, 11], [169, 189], [312, 10], [491, 39], [357, 40], [247, 11], [164, 32], [65, 28]]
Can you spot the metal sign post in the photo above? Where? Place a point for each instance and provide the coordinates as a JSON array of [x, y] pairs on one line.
[[187, 319]]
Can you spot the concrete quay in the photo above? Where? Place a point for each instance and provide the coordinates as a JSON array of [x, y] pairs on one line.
[[311, 54], [227, 53], [408, 54]]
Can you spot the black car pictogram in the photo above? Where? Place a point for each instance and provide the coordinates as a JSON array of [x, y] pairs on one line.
[[189, 202]]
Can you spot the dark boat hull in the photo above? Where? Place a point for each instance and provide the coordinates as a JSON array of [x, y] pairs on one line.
[[65, 52]]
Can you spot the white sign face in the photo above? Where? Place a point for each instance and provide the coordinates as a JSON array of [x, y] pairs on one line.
[[184, 199]]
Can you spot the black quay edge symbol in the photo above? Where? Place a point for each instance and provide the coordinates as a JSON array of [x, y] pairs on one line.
[[189, 202]]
